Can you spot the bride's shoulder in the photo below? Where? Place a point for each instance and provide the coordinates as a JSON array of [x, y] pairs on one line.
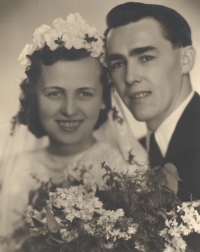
[[34, 155], [103, 152], [112, 157], [102, 149], [28, 160]]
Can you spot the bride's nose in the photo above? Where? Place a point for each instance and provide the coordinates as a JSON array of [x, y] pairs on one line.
[[69, 106]]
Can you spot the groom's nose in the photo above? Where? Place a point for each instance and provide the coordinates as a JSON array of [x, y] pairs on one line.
[[132, 74]]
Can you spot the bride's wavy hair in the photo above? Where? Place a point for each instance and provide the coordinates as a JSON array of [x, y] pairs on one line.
[[28, 113]]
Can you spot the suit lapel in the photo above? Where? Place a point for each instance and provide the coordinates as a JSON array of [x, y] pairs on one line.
[[184, 130]]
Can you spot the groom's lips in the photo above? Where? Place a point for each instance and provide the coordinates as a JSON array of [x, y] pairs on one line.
[[139, 95]]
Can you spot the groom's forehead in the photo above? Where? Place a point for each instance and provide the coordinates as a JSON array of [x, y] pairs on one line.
[[144, 33], [136, 26]]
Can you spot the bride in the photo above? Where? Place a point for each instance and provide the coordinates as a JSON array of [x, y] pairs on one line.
[[65, 97]]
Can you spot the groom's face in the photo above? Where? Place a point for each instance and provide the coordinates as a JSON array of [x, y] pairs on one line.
[[145, 69]]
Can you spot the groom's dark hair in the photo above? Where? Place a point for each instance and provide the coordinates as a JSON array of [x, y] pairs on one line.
[[174, 27]]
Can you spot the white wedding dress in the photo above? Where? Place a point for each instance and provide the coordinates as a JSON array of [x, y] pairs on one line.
[[39, 163], [115, 142]]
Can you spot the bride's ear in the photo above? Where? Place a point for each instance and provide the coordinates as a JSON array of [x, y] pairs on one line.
[[188, 59], [109, 79], [109, 83], [103, 105]]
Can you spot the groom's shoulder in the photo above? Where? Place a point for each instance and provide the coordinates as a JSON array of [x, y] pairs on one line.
[[191, 115], [195, 102]]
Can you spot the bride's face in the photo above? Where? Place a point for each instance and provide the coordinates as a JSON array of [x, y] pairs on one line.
[[69, 97]]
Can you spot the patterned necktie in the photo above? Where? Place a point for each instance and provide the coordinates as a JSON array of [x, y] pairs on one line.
[[155, 155]]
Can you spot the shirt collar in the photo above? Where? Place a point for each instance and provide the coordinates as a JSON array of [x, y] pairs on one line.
[[165, 130]]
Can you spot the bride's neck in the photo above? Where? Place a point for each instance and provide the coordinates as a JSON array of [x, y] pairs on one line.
[[60, 149]]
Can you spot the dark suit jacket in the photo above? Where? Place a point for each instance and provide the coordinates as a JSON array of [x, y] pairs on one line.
[[184, 152]]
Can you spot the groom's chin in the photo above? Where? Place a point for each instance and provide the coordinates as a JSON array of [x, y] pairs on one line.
[[140, 115]]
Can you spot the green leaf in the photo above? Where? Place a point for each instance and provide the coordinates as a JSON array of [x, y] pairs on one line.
[[38, 223], [106, 167], [54, 242], [162, 212], [52, 224], [172, 177]]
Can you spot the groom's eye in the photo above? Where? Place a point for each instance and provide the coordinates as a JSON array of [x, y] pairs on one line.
[[146, 58], [116, 65]]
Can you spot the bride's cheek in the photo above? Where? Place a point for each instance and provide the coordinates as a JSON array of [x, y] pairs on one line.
[[92, 108], [49, 108]]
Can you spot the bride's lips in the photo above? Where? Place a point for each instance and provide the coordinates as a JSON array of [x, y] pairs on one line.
[[69, 125], [139, 95]]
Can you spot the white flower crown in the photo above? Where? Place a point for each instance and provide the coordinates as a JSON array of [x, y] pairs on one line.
[[72, 32]]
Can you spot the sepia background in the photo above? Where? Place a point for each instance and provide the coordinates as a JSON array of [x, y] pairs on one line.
[[20, 18]]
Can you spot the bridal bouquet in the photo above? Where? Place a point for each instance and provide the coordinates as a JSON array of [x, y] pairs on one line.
[[23, 239], [133, 212]]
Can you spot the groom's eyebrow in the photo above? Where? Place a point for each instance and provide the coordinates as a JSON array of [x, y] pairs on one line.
[[133, 52], [140, 50]]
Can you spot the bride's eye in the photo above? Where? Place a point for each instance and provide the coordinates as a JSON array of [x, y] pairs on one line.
[[85, 94], [55, 94]]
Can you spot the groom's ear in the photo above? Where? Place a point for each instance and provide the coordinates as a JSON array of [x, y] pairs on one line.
[[188, 58]]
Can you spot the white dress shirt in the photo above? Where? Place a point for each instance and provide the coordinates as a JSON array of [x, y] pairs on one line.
[[164, 132]]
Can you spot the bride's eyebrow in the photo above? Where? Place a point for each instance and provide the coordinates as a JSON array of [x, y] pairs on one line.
[[53, 87], [86, 89]]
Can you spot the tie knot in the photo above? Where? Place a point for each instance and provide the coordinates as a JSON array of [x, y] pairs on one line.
[[155, 155]]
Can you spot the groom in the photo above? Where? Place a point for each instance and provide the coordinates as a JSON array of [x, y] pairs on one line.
[[150, 56]]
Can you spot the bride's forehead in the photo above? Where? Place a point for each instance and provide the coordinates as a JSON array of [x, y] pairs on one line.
[[84, 66], [71, 74]]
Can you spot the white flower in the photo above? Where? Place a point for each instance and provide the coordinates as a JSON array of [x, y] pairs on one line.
[[28, 50], [96, 48], [78, 43], [139, 246], [71, 18], [72, 32], [50, 38], [191, 217], [41, 30], [108, 245], [58, 23], [79, 18], [38, 36], [168, 248], [91, 31], [68, 236], [132, 230]]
